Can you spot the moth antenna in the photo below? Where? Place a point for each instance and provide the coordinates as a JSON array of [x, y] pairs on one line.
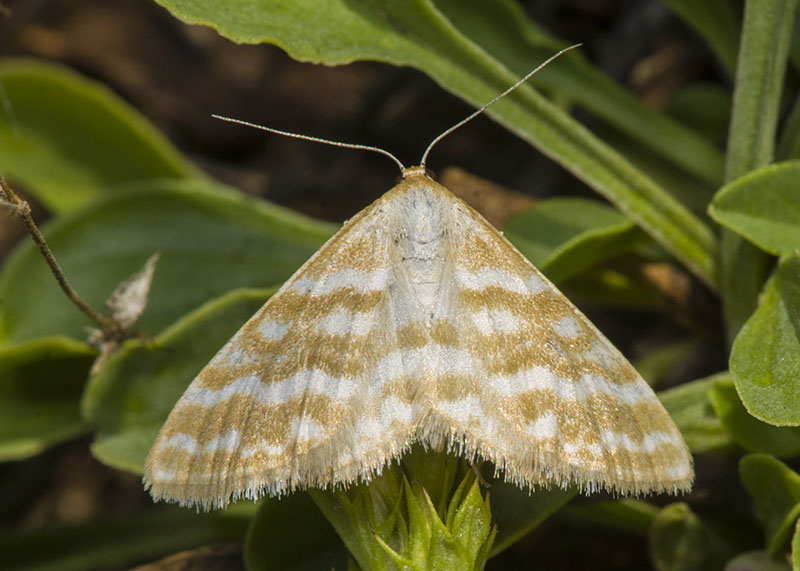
[[313, 139], [493, 101]]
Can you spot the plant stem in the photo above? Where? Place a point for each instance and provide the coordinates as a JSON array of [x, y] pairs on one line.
[[20, 208]]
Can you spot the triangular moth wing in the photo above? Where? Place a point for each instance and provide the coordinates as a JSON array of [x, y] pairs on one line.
[[315, 389], [541, 392]]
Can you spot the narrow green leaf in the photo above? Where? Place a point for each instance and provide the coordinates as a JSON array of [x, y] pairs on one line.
[[796, 547], [765, 358], [118, 541], [764, 47], [680, 541], [775, 490], [502, 29], [416, 33], [764, 207], [40, 386], [565, 236], [690, 408], [70, 140], [690, 192], [472, 528], [345, 32], [291, 534], [747, 431], [766, 35], [425, 529], [211, 240], [716, 22], [131, 396]]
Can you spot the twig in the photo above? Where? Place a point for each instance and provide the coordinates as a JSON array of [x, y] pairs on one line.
[[21, 209]]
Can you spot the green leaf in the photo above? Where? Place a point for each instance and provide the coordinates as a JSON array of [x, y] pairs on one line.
[[435, 471], [748, 431], [764, 207], [364, 514], [690, 192], [766, 35], [418, 34], [764, 48], [627, 514], [291, 534], [756, 561], [428, 34], [40, 387], [117, 541], [211, 241], [131, 396], [472, 529], [565, 236], [393, 520], [789, 271], [765, 358], [69, 140], [796, 547], [680, 541], [690, 407], [502, 30], [716, 22], [775, 490], [516, 512]]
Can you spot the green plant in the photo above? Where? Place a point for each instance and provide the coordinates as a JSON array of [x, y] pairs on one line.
[[120, 192]]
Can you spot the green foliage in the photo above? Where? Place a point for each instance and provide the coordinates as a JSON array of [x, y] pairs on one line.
[[283, 546], [690, 407], [71, 140], [35, 412], [764, 48], [476, 65], [119, 193], [564, 237], [764, 207], [402, 522], [680, 541], [130, 398], [136, 536], [748, 431], [716, 21], [775, 490], [765, 358], [211, 241]]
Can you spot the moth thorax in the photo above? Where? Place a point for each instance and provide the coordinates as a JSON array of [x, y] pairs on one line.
[[422, 247]]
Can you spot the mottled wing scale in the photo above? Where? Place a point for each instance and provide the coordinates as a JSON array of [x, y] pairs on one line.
[[551, 400], [417, 322], [297, 396]]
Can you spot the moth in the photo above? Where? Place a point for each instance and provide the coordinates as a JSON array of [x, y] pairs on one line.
[[417, 322]]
